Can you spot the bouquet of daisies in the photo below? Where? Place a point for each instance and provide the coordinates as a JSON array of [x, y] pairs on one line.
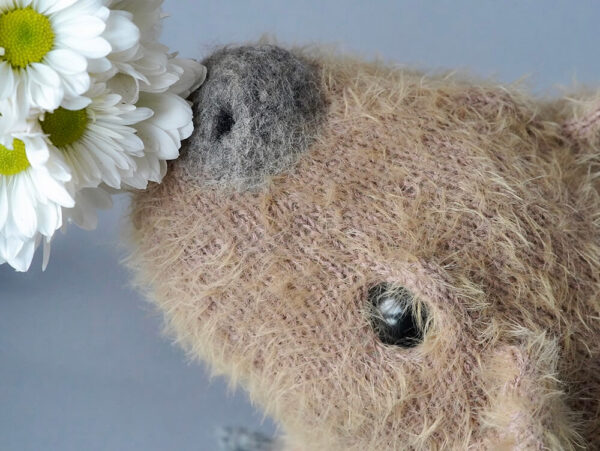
[[90, 103]]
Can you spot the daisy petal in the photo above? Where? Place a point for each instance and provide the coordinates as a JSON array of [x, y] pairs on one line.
[[7, 86], [43, 82], [121, 32], [66, 61], [22, 260], [52, 6], [84, 26], [23, 211], [3, 202], [46, 254]]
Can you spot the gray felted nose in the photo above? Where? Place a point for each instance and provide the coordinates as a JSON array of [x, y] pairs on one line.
[[259, 108]]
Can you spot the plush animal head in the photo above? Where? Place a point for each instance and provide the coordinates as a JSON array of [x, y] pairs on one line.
[[384, 260]]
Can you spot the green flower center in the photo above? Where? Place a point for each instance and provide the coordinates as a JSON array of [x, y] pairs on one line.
[[13, 161], [26, 36], [65, 127]]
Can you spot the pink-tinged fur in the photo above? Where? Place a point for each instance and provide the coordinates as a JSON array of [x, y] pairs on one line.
[[479, 199]]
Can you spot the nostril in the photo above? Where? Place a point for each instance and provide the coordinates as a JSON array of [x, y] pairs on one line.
[[395, 316], [223, 123]]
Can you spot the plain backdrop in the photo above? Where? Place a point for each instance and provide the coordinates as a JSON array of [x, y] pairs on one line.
[[83, 365]]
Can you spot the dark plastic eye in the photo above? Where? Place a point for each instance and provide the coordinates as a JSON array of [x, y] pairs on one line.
[[395, 317], [223, 124]]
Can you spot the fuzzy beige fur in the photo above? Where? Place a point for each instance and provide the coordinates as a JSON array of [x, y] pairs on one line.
[[479, 199]]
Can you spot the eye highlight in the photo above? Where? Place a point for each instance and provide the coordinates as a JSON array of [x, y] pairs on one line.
[[395, 316]]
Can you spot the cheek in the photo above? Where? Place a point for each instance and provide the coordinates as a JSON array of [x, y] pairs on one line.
[[272, 289]]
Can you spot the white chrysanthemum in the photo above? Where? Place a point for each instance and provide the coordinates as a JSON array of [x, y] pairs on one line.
[[106, 101], [8, 121], [191, 75], [33, 179], [18, 252], [171, 123], [162, 134], [98, 142], [45, 46], [87, 203], [143, 64]]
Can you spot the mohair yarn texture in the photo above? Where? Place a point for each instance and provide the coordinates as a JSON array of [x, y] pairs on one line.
[[478, 199]]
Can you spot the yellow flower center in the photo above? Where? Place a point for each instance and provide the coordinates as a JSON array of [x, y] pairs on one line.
[[26, 36], [65, 127], [13, 161]]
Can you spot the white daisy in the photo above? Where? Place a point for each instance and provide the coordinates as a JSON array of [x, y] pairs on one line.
[[45, 46], [24, 250], [87, 202], [18, 252], [162, 134], [191, 75], [33, 179], [98, 142], [123, 37], [97, 103], [8, 121], [143, 64], [171, 123]]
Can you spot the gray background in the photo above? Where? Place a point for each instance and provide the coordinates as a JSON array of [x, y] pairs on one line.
[[82, 361]]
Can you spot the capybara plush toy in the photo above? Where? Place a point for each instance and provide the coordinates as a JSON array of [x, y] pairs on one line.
[[384, 259]]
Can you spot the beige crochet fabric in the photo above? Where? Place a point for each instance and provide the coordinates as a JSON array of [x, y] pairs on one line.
[[479, 199]]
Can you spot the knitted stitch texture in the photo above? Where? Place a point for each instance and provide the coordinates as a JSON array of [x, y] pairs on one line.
[[477, 198]]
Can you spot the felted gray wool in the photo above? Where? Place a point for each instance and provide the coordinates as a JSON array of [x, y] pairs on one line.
[[257, 110]]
